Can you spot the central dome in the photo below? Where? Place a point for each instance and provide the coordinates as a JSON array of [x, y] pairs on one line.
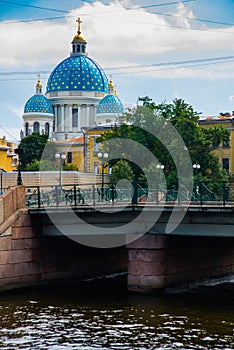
[[78, 73]]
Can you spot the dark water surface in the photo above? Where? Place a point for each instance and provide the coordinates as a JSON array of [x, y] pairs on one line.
[[102, 315]]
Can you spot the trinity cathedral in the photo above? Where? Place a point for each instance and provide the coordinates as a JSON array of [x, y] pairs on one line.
[[80, 104], [78, 95]]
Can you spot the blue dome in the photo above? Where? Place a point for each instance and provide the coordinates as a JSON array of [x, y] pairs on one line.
[[38, 104], [110, 104], [77, 73]]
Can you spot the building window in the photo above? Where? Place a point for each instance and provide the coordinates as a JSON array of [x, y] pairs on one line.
[[215, 144], [78, 48], [83, 48], [47, 129], [225, 162], [75, 117], [96, 146], [26, 129], [226, 144], [36, 127], [96, 167], [69, 157]]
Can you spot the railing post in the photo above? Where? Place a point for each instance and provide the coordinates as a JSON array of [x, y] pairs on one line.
[[94, 199], [75, 200], [179, 194], [201, 193], [38, 197], [134, 197], [112, 194], [157, 189], [224, 194], [57, 196]]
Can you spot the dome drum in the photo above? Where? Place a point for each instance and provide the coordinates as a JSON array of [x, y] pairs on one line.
[[37, 115], [75, 94]]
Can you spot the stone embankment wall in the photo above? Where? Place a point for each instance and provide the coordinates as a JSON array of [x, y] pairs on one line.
[[174, 263], [27, 258]]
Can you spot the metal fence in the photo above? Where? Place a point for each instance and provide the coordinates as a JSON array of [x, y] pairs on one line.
[[109, 194]]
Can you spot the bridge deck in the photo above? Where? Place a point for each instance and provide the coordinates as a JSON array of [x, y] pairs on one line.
[[194, 220]]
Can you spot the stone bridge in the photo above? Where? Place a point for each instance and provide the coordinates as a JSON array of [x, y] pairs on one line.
[[34, 251]]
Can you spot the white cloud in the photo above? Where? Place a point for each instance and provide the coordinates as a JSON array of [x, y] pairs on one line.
[[116, 37], [16, 110], [183, 15]]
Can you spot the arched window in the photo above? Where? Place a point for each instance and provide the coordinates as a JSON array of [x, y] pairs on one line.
[[83, 48], [36, 127], [26, 129], [47, 128], [78, 48]]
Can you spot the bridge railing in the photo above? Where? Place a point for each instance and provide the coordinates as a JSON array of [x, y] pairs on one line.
[[90, 194]]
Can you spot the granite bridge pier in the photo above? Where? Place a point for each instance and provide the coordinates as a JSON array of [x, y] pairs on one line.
[[34, 250]]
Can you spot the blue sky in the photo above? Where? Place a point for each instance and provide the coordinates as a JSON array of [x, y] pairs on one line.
[[147, 50]]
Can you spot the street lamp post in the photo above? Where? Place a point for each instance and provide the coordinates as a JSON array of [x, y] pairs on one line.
[[196, 167], [160, 167], [103, 157], [84, 148], [159, 191], [62, 157], [19, 151], [1, 172]]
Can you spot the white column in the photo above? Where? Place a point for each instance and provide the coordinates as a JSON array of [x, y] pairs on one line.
[[92, 115], [79, 118], [70, 118], [55, 117], [87, 115], [42, 127], [62, 127], [50, 129]]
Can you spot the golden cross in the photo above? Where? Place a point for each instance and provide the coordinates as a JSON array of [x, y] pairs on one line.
[[79, 23]]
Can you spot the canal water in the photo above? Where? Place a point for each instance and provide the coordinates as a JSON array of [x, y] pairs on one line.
[[102, 315]]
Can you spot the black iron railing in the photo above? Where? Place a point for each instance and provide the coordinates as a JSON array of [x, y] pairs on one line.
[[110, 194]]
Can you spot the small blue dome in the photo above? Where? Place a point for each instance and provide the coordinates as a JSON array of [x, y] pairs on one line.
[[38, 104], [110, 104], [77, 73]]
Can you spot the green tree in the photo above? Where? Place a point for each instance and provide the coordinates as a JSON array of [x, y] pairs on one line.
[[41, 165], [121, 170], [33, 147], [70, 167], [198, 141]]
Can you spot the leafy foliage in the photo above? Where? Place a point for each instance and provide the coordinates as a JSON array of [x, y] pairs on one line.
[[41, 165], [198, 141], [121, 170], [33, 147], [70, 167]]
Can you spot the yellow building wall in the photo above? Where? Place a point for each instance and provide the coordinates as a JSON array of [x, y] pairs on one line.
[[92, 150], [223, 152], [77, 153], [7, 155]]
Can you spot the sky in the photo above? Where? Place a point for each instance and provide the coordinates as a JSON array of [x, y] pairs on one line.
[[164, 49]]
